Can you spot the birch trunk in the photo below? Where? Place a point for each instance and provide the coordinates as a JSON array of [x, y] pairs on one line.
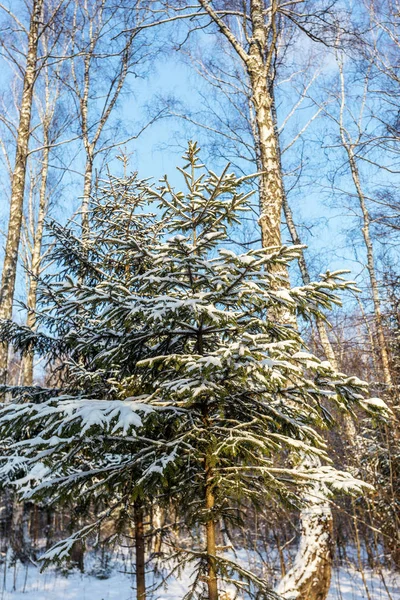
[[383, 352], [271, 184], [18, 181], [349, 426], [87, 191], [309, 579], [349, 144], [310, 576], [305, 274], [27, 363]]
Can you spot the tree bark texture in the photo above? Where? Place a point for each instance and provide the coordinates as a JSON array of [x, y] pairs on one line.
[[158, 522], [18, 181], [271, 184], [87, 191], [309, 578], [20, 540], [27, 363], [384, 356]]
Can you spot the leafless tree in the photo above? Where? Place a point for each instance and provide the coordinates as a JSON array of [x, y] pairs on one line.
[[107, 44], [48, 136], [259, 33], [350, 144], [29, 68]]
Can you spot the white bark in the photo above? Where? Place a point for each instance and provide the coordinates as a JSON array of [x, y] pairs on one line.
[[310, 576], [384, 356], [87, 192], [27, 363], [47, 100], [271, 184], [18, 181], [94, 117], [349, 146], [311, 571]]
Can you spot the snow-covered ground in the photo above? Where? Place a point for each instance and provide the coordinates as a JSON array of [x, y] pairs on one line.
[[30, 584]]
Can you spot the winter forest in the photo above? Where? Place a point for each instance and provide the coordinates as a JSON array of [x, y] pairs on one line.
[[200, 299]]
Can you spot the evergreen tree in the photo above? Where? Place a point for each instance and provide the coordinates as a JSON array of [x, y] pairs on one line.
[[176, 377]]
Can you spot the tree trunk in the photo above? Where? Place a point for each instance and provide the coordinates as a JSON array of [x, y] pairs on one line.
[[271, 185], [27, 363], [371, 268], [158, 522], [310, 576], [18, 181], [321, 327], [311, 571], [77, 556], [140, 552], [305, 275], [87, 191], [212, 581], [20, 541]]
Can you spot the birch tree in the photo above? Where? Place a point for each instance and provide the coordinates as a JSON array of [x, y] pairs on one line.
[[52, 125], [255, 34], [352, 115], [259, 61], [237, 123], [9, 272], [104, 51], [351, 144], [28, 72]]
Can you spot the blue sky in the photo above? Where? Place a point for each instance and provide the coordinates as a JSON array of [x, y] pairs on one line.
[[325, 223]]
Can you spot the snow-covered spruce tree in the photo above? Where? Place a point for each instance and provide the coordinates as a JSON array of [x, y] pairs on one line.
[[177, 378], [74, 340]]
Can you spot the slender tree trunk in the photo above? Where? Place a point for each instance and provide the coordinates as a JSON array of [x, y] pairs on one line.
[[77, 556], [18, 181], [371, 269], [140, 552], [87, 191], [49, 528], [349, 145], [321, 327], [27, 363], [212, 581], [305, 275], [310, 575]]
